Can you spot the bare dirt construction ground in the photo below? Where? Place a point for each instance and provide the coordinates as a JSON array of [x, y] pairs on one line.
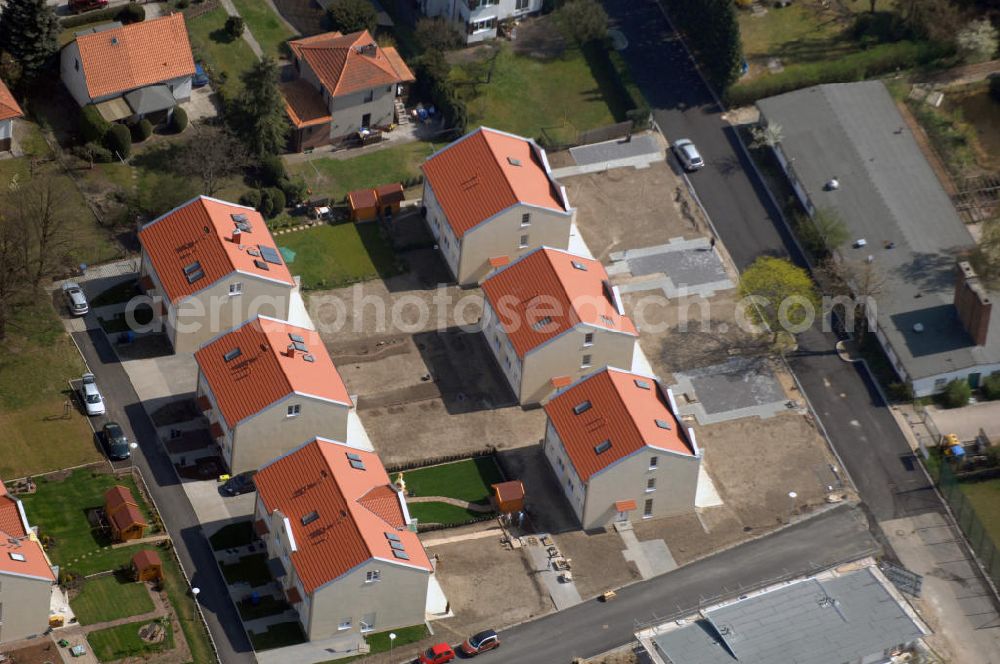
[[628, 208], [695, 535], [485, 584], [598, 563], [44, 650]]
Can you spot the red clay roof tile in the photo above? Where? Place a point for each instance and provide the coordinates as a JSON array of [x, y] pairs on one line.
[[135, 55], [487, 171], [620, 410], [201, 231], [264, 372], [20, 552], [351, 63], [542, 294], [352, 506], [8, 105], [146, 558], [305, 106]]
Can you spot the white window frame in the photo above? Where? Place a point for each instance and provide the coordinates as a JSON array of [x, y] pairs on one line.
[[365, 627], [373, 576], [588, 339], [586, 361], [647, 509], [293, 410], [651, 485], [518, 5], [344, 624], [236, 288], [654, 462], [525, 219], [523, 241]]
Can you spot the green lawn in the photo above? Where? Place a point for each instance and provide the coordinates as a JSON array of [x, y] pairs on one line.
[[124, 641], [278, 636], [179, 593], [985, 498], [526, 95], [334, 256], [335, 177], [108, 598], [251, 569], [232, 536], [464, 480], [224, 56], [269, 31], [441, 513], [36, 360], [59, 509]]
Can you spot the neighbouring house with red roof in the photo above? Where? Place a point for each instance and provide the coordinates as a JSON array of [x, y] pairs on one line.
[[616, 444], [479, 20], [551, 317], [26, 575], [8, 111], [267, 387], [124, 516], [490, 197], [130, 71], [341, 532], [210, 265], [346, 83]]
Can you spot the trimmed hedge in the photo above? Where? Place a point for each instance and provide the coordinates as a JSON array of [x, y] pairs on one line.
[[119, 141], [141, 130], [106, 14], [92, 126], [179, 119], [131, 13], [854, 67]]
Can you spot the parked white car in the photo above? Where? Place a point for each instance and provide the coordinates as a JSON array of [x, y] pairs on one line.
[[75, 299], [688, 155], [92, 399]]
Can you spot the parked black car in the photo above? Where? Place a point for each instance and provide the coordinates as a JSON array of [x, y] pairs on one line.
[[237, 485], [115, 442]]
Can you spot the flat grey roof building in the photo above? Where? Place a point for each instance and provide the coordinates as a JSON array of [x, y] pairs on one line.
[[886, 194], [827, 619]]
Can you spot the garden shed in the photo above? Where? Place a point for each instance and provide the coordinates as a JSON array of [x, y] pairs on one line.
[[147, 566]]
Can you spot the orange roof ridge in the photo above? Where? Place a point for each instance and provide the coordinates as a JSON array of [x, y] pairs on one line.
[[340, 66], [486, 172], [8, 105], [135, 55], [568, 289], [336, 499], [273, 359], [197, 237], [626, 410]]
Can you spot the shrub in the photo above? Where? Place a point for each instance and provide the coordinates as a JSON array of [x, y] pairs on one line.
[[352, 16], [179, 119], [991, 387], [131, 13], [266, 205], [235, 26], [878, 28], [76, 20], [182, 4], [92, 126], [900, 392], [119, 141], [251, 199], [294, 188], [93, 152], [277, 197], [956, 394], [272, 170], [141, 130]]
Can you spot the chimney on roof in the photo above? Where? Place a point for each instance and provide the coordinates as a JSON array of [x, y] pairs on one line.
[[290, 351], [237, 234], [972, 303]]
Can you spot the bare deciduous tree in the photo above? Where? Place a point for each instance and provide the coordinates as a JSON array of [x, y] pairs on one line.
[[213, 154]]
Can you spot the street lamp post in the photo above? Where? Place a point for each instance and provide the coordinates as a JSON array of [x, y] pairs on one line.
[[194, 593], [791, 510], [132, 447], [392, 639]]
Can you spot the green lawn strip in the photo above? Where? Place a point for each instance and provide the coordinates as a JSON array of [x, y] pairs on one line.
[[224, 56], [278, 636], [124, 641], [59, 510], [36, 360], [251, 569], [334, 256], [379, 641], [985, 498], [265, 606], [526, 95], [232, 536], [117, 294], [269, 31], [335, 177], [109, 598], [441, 513], [464, 480], [179, 594]]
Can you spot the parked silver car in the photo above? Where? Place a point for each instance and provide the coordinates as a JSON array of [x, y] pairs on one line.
[[688, 155], [75, 299], [92, 399]]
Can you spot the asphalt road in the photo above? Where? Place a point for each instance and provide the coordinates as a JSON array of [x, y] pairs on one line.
[[863, 431], [593, 627], [193, 549]]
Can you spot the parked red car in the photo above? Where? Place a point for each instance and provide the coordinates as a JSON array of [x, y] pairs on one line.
[[78, 6], [437, 654], [481, 642]]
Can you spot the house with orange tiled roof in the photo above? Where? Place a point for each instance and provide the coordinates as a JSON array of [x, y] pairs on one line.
[[130, 71], [551, 317], [26, 576], [345, 83], [342, 535], [8, 111], [478, 20], [490, 197], [211, 265], [268, 386], [619, 450]]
